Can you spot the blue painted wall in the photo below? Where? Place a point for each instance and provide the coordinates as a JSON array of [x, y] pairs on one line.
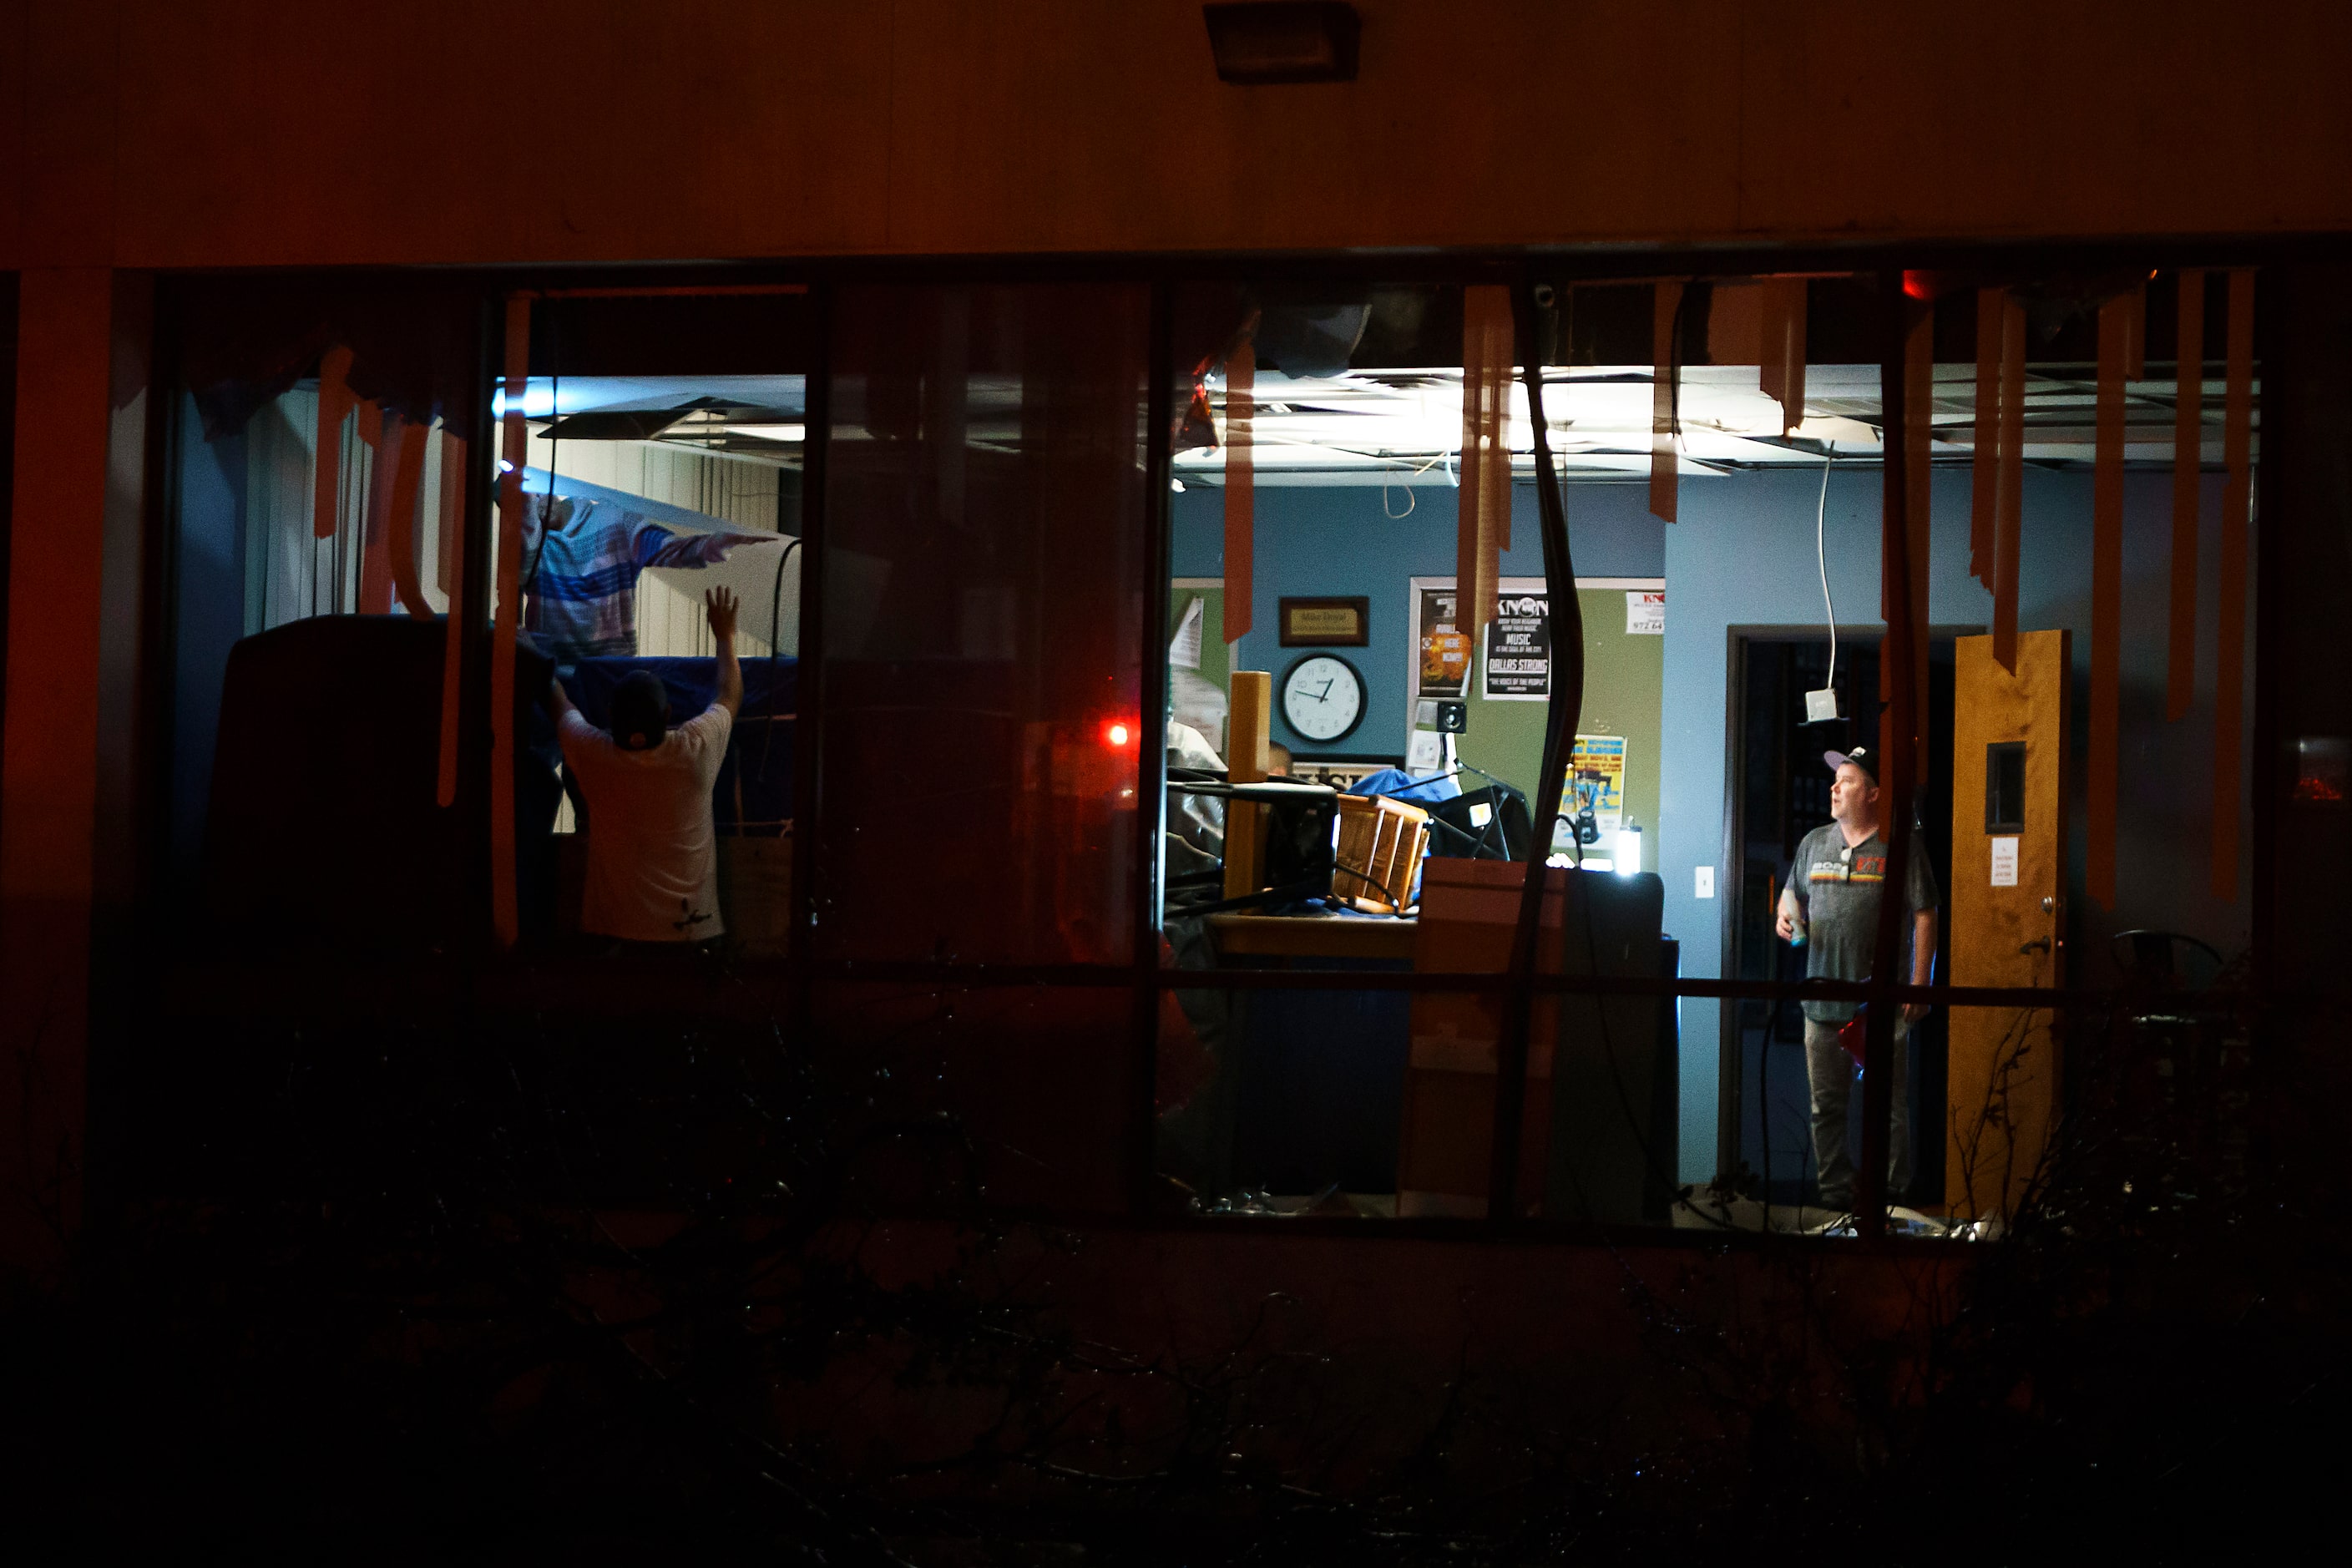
[[1743, 554], [1340, 540]]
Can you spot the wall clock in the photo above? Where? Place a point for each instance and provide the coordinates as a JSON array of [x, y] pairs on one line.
[[1322, 698]]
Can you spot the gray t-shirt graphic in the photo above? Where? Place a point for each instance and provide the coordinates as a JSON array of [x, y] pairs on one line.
[[1838, 886]]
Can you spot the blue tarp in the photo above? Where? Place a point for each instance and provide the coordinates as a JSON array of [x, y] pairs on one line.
[[1398, 784]]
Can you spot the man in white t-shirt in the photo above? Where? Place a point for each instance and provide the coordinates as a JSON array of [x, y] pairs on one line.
[[653, 856]]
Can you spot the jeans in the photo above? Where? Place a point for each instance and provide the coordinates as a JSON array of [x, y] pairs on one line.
[[1830, 1074]]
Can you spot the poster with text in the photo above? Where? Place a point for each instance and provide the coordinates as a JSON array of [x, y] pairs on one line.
[[1184, 647], [1518, 666], [1444, 668], [1593, 801]]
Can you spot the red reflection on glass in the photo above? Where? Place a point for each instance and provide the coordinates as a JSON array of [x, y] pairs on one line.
[[985, 482]]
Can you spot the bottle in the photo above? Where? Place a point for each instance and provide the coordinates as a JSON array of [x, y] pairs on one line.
[[1797, 930]]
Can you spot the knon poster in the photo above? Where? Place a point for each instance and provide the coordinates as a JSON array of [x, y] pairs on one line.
[[1518, 666]]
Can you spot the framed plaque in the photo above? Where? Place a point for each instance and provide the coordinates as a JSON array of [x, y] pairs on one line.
[[1326, 623]]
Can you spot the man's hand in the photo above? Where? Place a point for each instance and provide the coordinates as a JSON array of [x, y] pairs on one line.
[[1784, 928], [559, 701], [728, 694], [721, 605]]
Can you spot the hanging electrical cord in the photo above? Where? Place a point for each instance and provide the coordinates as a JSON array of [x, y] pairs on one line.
[[776, 653], [1821, 558], [1411, 500], [776, 607]]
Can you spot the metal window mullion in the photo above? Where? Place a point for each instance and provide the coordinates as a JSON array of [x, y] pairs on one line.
[[808, 695], [1901, 752], [1151, 749], [477, 591]]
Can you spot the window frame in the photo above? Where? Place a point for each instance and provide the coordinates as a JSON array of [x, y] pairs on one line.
[[1164, 274]]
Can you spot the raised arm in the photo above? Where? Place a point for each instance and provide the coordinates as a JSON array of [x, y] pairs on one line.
[[654, 546], [720, 603]]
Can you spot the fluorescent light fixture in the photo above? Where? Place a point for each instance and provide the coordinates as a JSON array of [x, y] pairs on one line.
[[789, 433], [538, 402]]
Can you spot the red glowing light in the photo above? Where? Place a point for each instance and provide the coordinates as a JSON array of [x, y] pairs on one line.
[[1917, 285], [1116, 733]]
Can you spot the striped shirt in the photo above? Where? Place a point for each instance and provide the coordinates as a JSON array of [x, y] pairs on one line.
[[580, 577]]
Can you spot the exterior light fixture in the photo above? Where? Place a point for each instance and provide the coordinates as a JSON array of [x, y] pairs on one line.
[[1278, 41]]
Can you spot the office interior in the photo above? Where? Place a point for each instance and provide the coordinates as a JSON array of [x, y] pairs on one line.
[[965, 551], [1776, 536]]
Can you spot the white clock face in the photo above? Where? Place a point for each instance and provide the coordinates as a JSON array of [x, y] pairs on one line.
[[1322, 696]]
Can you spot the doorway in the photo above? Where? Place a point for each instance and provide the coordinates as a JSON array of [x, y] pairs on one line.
[[1780, 791]]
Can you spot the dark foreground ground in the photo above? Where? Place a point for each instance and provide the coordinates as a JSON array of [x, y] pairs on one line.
[[397, 1294]]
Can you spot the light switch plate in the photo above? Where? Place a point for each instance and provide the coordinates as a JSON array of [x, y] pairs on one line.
[[1706, 882]]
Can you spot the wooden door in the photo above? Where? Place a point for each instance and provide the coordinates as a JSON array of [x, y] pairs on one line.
[[2008, 904]]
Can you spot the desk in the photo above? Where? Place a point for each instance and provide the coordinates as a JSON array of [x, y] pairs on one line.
[[1236, 934], [1314, 1080]]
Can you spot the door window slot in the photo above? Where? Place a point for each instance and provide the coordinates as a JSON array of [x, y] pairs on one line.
[[2005, 787]]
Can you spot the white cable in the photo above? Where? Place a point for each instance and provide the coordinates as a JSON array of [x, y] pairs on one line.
[[1822, 557]]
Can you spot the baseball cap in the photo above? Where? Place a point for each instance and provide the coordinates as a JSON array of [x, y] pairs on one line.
[[1862, 757]]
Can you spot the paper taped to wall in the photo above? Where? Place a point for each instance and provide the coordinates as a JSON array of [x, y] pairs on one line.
[[1184, 648]]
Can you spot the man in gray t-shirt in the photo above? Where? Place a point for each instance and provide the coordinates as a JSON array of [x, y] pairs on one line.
[[1832, 904]]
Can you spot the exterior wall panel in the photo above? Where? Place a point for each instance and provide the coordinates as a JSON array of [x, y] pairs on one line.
[[267, 132]]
